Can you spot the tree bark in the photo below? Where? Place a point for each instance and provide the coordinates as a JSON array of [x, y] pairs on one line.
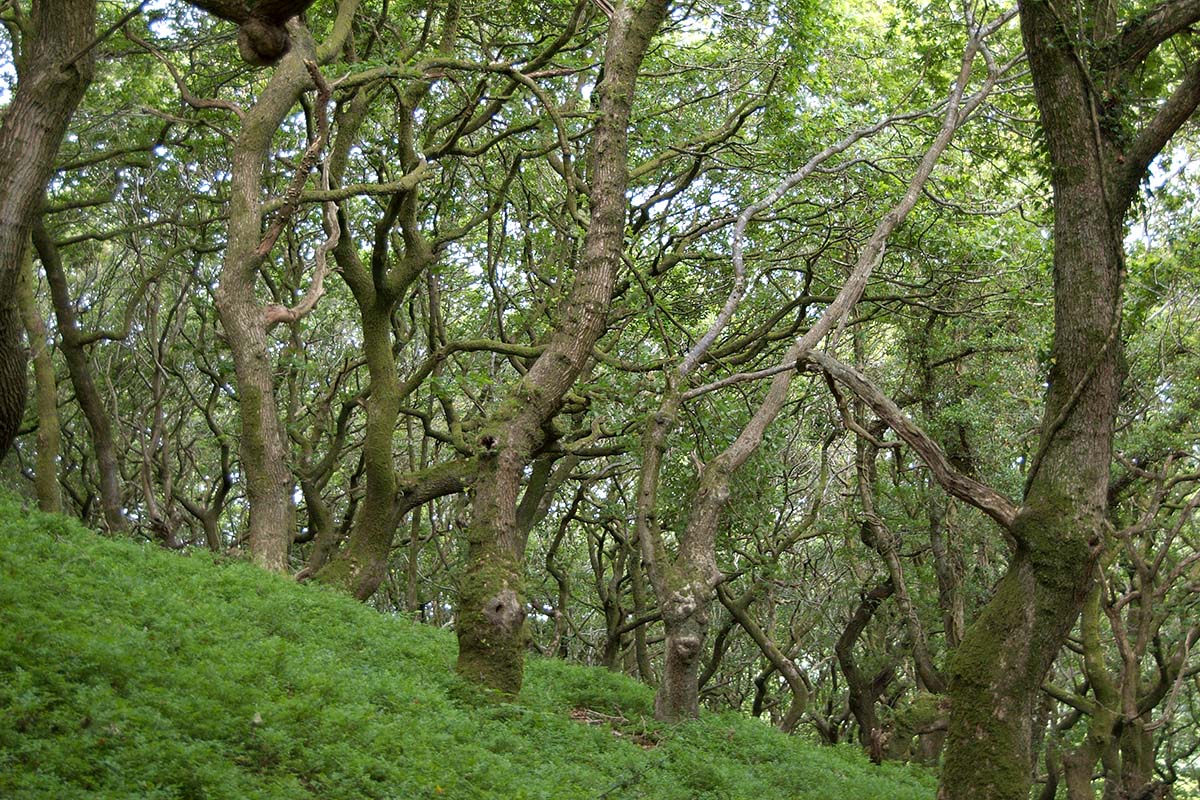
[[491, 612], [49, 439], [779, 660], [86, 394], [263, 39], [264, 449], [377, 289], [998, 670], [53, 71]]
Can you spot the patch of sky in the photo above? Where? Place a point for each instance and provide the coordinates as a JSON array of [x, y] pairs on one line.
[[8, 73]]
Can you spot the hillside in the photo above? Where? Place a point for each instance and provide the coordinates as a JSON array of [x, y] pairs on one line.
[[130, 672]]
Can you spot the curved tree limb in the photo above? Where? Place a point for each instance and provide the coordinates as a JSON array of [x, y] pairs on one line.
[[967, 489]]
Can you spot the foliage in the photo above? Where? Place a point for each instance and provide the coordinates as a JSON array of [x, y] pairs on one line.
[[131, 672], [956, 325]]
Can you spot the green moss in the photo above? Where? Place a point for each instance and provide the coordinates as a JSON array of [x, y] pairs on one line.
[[491, 652], [1001, 662], [338, 573], [1056, 539], [919, 712]]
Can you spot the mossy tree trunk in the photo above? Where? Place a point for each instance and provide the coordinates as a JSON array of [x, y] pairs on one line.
[[54, 67], [264, 448], [49, 435], [375, 518], [1098, 150], [491, 612], [362, 565], [74, 352], [684, 599], [378, 287]]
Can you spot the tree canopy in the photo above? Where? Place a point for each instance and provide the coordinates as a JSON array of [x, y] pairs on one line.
[[835, 363]]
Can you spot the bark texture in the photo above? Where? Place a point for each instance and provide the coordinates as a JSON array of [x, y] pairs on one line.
[[1096, 164], [378, 288], [864, 690], [53, 71], [86, 393], [491, 613], [265, 453], [263, 448]]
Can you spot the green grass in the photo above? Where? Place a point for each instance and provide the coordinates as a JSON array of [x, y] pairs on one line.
[[129, 672]]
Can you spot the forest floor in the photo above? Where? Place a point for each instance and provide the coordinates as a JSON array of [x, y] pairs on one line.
[[131, 672]]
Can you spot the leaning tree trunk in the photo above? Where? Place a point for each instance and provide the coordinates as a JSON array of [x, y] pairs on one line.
[[998, 670], [86, 393], [491, 612], [264, 451], [53, 71], [49, 434], [685, 585]]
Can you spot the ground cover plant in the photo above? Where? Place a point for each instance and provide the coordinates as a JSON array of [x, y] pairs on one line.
[[131, 672], [830, 364]]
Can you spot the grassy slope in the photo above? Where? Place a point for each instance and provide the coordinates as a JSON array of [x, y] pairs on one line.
[[128, 672]]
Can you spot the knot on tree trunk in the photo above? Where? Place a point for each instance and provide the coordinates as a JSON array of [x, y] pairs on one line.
[[261, 42], [504, 611], [679, 607], [686, 646]]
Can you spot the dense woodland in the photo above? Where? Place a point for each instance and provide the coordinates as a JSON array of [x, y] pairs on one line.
[[836, 363]]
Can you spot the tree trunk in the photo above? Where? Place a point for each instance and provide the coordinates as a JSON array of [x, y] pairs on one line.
[[262, 447], [685, 621], [49, 439], [54, 70], [779, 660], [640, 647], [998, 670], [377, 289], [86, 394], [491, 613], [1078, 766], [374, 520], [265, 453]]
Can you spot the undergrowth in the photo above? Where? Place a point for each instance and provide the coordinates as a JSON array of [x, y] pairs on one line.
[[129, 672]]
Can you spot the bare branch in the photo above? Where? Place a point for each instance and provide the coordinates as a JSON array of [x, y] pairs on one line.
[[965, 488], [275, 314]]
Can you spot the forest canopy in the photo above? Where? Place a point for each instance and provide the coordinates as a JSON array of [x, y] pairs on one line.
[[832, 363]]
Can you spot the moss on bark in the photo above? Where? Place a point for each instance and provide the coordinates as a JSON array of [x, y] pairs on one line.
[[490, 624]]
